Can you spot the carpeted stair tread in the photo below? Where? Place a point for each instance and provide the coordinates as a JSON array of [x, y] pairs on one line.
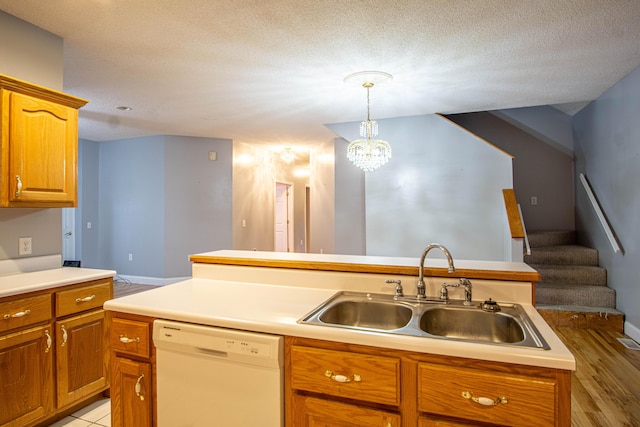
[[567, 294], [565, 254], [572, 274]]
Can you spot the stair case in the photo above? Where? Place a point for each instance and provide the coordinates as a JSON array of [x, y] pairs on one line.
[[573, 288]]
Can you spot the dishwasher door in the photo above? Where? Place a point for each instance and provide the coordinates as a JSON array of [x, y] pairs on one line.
[[217, 377]]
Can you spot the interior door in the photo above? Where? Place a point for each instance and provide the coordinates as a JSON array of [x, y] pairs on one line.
[[283, 222]]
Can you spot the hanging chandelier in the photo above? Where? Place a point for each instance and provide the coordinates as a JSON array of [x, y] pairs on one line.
[[287, 155], [369, 153]]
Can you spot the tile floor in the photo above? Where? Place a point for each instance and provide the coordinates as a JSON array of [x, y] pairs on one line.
[[98, 414]]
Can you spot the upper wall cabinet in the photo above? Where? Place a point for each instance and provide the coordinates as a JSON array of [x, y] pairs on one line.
[[38, 146]]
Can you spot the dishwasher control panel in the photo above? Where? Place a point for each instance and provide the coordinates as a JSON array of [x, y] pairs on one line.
[[238, 346]]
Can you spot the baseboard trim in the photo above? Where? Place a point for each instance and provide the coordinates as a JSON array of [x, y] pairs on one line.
[[143, 280], [632, 331]]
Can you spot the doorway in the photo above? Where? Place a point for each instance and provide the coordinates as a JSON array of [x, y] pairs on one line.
[[68, 233], [283, 217]]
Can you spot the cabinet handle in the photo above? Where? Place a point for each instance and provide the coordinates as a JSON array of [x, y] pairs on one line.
[[16, 315], [85, 299], [18, 186], [126, 340], [64, 335], [342, 378], [138, 386], [49, 340], [485, 401]]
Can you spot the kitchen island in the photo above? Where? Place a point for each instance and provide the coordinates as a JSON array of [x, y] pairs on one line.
[[269, 292]]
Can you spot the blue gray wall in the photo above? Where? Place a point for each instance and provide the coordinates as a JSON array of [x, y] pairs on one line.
[[31, 54], [157, 198], [434, 189], [540, 169], [607, 151]]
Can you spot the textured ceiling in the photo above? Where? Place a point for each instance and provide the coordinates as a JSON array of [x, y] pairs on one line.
[[272, 71]]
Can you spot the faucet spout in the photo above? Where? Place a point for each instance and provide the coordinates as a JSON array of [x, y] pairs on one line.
[[421, 286]]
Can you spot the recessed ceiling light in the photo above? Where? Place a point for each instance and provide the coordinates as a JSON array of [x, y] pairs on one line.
[[124, 108]]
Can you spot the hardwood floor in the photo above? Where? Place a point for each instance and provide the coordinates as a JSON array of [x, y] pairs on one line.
[[605, 389], [122, 288]]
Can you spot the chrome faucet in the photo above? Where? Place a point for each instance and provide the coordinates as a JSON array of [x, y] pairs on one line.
[[421, 286], [467, 291]]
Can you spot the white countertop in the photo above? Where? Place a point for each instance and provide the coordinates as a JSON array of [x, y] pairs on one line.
[[21, 283], [432, 261], [276, 309]]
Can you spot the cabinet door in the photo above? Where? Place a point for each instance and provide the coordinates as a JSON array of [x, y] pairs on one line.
[[315, 412], [43, 146], [26, 385], [131, 394], [82, 356]]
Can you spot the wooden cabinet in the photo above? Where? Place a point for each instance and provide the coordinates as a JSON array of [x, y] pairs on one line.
[[38, 145], [482, 395], [317, 412], [382, 387], [54, 351], [82, 341], [133, 373], [131, 397], [345, 374], [26, 370]]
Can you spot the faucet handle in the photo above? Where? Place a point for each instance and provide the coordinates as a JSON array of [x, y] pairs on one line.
[[444, 292], [399, 292]]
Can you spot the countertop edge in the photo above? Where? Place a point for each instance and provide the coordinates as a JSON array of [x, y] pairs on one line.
[[558, 357], [22, 283]]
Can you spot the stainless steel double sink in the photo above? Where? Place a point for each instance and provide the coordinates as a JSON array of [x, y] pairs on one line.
[[451, 320]]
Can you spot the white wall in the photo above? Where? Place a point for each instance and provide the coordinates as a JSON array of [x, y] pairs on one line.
[[442, 185], [323, 195]]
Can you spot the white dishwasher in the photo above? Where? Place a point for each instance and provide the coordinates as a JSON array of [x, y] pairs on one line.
[[210, 376]]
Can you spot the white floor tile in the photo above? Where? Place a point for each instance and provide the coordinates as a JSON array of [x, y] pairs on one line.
[[97, 410], [104, 421], [71, 422]]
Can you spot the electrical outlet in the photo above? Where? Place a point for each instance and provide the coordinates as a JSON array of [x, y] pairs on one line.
[[24, 246], [130, 257], [534, 200]]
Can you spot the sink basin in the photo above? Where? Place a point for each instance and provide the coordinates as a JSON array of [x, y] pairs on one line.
[[427, 318], [368, 314], [474, 325]]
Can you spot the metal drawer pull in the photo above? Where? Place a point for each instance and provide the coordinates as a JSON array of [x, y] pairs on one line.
[[16, 315], [64, 335], [138, 387], [126, 340], [49, 340], [485, 401], [18, 186], [85, 299], [342, 378]]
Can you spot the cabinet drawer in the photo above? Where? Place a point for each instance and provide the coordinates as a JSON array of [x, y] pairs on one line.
[[528, 400], [130, 337], [24, 312], [346, 374], [82, 298]]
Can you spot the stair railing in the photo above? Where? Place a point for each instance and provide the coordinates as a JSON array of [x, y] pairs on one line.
[[603, 220], [516, 224], [527, 246]]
